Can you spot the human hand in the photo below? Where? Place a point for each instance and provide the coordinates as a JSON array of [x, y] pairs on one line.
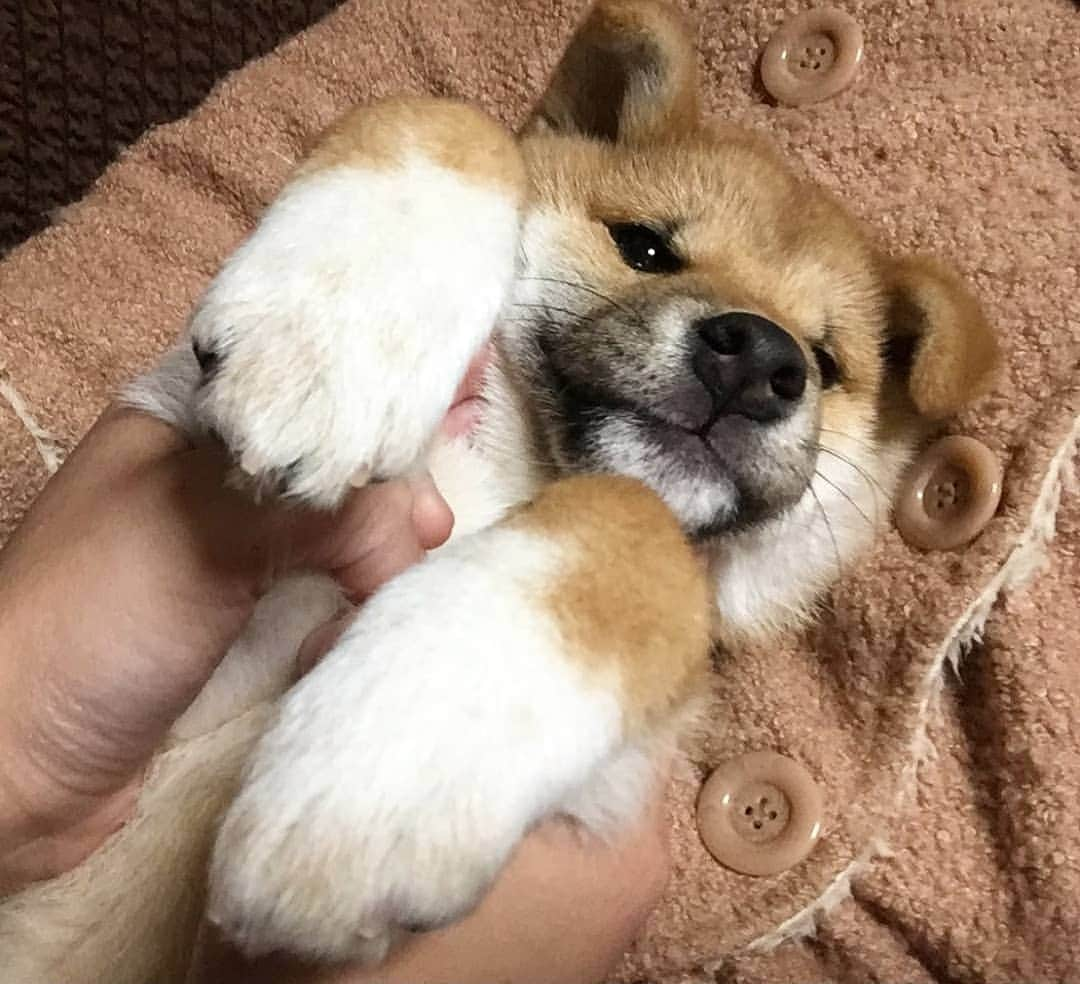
[[564, 911], [136, 558], [120, 593]]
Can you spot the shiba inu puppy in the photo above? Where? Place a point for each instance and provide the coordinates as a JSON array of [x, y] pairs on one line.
[[703, 379]]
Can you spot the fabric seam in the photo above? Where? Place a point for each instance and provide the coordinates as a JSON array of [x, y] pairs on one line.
[[1025, 559], [48, 448]]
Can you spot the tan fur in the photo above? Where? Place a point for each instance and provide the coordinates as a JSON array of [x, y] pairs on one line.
[[630, 73], [761, 238], [758, 237], [633, 601], [956, 353], [454, 135], [86, 927]]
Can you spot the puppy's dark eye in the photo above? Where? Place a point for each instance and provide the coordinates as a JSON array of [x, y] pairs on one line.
[[827, 365], [644, 249]]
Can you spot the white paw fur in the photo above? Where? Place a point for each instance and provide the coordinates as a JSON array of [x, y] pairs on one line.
[[339, 331], [379, 801]]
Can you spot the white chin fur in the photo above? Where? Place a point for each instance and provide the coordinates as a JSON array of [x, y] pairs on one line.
[[834, 522], [697, 500]]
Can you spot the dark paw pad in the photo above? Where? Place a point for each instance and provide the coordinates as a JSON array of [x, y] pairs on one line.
[[417, 926], [285, 478], [271, 483], [208, 359]]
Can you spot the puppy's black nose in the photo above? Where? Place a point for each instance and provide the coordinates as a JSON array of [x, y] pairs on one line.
[[750, 365]]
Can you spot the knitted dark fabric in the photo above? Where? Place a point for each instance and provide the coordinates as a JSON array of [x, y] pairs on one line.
[[81, 79]]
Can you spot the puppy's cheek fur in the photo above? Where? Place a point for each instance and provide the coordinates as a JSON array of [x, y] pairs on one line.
[[495, 684], [340, 330]]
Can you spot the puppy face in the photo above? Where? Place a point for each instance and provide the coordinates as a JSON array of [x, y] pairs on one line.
[[694, 314]]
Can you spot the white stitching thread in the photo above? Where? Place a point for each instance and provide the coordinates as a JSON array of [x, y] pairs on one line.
[[50, 451], [1025, 559], [804, 923]]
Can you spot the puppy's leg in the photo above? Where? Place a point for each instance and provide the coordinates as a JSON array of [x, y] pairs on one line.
[[331, 342], [478, 693], [261, 664], [127, 915], [130, 912]]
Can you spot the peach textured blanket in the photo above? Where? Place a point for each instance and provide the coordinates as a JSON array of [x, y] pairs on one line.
[[937, 702]]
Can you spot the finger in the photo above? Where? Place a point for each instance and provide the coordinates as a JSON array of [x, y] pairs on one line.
[[135, 436], [385, 560], [431, 515], [378, 541], [380, 531], [331, 541]]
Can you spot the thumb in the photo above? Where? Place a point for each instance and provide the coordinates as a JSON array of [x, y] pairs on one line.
[[398, 523], [378, 532]]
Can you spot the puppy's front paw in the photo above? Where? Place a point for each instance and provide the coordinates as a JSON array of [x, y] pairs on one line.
[[347, 884], [368, 809], [406, 766], [331, 343]]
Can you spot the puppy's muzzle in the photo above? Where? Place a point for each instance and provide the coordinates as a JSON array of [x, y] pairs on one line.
[[750, 366]]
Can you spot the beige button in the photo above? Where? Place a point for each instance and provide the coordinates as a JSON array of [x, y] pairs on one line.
[[949, 494], [813, 56], [760, 813]]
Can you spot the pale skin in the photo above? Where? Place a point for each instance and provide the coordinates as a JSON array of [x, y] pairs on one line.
[[120, 592]]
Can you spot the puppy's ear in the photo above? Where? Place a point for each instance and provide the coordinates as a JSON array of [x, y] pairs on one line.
[[940, 344], [629, 75]]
